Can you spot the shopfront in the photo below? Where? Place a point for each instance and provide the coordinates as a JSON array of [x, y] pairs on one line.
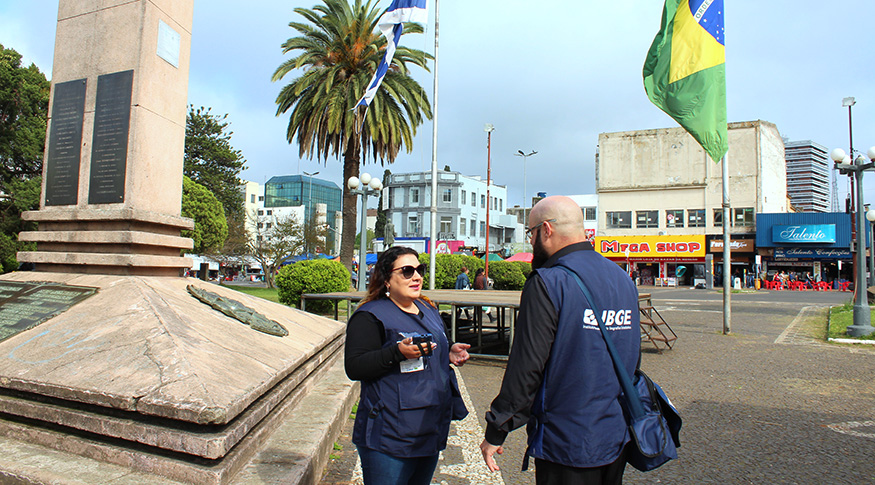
[[815, 245], [743, 261], [657, 260]]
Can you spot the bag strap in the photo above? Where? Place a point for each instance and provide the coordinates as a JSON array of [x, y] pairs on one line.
[[633, 399]]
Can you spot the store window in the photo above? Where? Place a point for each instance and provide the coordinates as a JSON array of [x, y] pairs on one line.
[[618, 220], [645, 219], [696, 217], [742, 217], [674, 218]]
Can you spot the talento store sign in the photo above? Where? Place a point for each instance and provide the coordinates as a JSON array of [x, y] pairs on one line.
[[651, 247]]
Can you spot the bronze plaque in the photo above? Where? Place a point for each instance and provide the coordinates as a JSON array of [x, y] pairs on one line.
[[109, 148], [65, 143], [26, 305]]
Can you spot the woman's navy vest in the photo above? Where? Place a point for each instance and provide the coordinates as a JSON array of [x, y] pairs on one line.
[[576, 417], [408, 415]]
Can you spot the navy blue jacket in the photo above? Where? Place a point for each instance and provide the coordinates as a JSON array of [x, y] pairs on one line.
[[408, 414], [561, 382]]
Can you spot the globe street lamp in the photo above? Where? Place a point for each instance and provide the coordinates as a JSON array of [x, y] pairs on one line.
[[862, 316], [366, 181], [525, 156]]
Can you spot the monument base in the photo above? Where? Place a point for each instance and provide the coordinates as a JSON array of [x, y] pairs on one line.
[[145, 379]]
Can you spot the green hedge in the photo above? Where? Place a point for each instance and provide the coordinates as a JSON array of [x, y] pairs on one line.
[[448, 268], [313, 276], [506, 275]]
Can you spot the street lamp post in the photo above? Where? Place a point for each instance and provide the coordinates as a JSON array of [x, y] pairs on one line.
[[862, 316], [488, 128], [525, 156], [310, 206], [375, 185]]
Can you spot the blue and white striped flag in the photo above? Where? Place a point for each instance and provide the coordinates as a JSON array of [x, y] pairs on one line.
[[391, 26]]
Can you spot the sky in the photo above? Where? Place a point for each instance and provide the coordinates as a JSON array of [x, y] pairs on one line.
[[549, 75]]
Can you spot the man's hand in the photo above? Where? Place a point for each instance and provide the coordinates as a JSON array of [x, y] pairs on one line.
[[459, 354], [488, 451]]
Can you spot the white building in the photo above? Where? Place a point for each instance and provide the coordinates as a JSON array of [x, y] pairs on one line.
[[461, 209]]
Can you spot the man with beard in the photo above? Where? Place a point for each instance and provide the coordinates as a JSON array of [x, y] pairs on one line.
[[560, 379]]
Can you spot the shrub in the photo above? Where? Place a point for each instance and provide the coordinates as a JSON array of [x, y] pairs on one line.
[[448, 267], [506, 275], [313, 276], [525, 267]]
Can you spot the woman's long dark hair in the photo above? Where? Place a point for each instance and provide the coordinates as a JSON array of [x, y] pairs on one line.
[[383, 271]]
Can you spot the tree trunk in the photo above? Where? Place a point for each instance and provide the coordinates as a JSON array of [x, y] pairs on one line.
[[347, 237]]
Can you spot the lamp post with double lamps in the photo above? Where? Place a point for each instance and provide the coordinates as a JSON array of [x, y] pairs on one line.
[[525, 156], [862, 324], [366, 181]]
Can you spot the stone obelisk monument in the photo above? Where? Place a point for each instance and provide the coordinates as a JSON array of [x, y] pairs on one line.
[[113, 367]]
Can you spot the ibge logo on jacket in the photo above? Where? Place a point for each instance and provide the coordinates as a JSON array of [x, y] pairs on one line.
[[614, 319]]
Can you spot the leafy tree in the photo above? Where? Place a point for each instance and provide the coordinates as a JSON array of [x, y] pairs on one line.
[[210, 226], [337, 53], [275, 240], [24, 106], [236, 248], [24, 102], [315, 236], [369, 242], [211, 161]]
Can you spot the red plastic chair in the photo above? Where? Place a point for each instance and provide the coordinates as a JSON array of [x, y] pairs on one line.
[[844, 285]]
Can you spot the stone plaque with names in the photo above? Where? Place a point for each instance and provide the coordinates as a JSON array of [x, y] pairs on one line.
[[109, 149], [26, 305], [65, 143]]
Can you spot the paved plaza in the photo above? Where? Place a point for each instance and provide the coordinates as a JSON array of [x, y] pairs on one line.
[[769, 403]]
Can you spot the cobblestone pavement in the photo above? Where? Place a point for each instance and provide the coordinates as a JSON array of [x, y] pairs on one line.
[[769, 403]]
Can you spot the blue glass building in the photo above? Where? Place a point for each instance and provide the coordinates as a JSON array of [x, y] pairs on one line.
[[295, 190]]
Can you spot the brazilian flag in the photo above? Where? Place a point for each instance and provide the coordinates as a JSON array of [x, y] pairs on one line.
[[685, 71]]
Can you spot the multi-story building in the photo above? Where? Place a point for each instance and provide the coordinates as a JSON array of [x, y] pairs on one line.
[[293, 196], [808, 170], [660, 198], [588, 207], [461, 209]]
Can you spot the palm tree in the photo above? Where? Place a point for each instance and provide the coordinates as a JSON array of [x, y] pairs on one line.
[[338, 52]]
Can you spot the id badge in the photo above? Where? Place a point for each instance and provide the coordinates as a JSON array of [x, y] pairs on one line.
[[412, 365]]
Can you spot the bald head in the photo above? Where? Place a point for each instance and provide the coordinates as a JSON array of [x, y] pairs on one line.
[[566, 212]]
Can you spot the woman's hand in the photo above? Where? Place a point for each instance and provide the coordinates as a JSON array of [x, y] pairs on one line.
[[410, 350], [459, 354]]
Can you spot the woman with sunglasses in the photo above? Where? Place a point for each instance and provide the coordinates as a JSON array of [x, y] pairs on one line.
[[397, 347]]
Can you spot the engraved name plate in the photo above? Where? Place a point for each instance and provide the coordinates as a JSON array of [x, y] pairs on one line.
[[26, 305], [109, 150], [65, 143]]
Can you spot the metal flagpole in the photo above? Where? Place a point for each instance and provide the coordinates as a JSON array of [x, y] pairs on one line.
[[434, 172], [727, 275]]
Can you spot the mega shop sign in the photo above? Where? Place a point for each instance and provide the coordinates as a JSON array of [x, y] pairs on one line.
[[651, 246]]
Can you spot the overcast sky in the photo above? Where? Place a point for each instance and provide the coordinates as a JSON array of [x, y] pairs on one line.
[[549, 75]]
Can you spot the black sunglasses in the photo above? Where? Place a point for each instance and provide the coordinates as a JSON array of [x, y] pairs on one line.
[[407, 271]]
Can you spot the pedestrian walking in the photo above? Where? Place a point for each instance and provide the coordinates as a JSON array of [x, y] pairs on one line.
[[397, 348], [560, 379]]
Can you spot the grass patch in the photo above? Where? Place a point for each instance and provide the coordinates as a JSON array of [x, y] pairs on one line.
[[840, 317], [265, 293]]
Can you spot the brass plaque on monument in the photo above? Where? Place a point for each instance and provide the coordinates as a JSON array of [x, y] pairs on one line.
[[26, 305], [65, 143], [109, 149]]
